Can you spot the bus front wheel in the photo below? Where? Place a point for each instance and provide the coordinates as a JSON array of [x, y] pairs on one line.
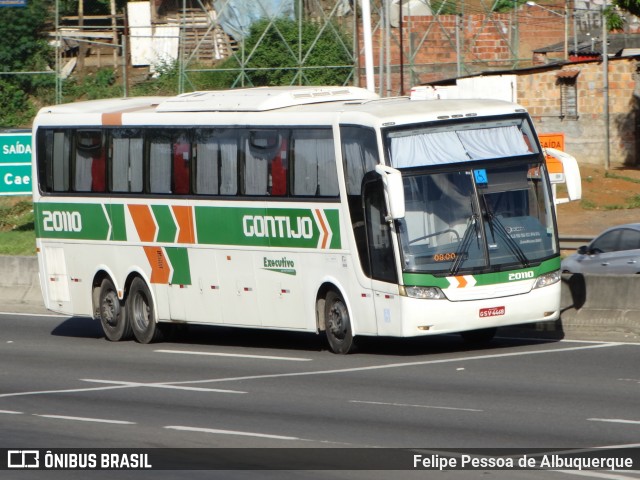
[[337, 324], [113, 317], [141, 313]]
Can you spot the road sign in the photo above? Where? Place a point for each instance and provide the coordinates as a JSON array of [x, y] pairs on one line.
[[13, 3], [15, 163], [552, 140]]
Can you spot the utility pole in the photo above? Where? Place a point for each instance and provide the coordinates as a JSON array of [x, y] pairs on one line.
[[605, 87]]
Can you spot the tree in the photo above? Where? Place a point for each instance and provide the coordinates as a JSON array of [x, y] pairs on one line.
[[275, 54], [631, 6], [24, 48]]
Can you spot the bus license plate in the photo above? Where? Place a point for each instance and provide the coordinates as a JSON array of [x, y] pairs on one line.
[[491, 312]]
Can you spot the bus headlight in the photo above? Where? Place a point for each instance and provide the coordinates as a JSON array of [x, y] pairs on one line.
[[429, 293], [548, 279]]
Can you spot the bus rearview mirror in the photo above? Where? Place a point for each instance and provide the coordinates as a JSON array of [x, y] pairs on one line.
[[393, 189]]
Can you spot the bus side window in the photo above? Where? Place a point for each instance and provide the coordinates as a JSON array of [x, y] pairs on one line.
[[160, 163], [359, 156], [54, 155], [207, 163], [127, 155], [379, 233], [229, 142], [89, 161], [181, 162], [261, 148], [278, 170], [314, 169]]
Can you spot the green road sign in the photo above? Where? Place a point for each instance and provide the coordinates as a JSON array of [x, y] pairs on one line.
[[15, 163]]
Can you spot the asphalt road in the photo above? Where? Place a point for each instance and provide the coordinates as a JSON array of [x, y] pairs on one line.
[[62, 385]]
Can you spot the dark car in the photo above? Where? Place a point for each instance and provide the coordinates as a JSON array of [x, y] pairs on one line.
[[616, 250]]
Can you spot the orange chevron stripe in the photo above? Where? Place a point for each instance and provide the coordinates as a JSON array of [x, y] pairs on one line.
[[184, 217], [160, 269], [462, 282], [324, 229], [143, 220]]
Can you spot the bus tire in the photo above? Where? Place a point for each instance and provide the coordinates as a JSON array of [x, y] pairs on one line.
[[479, 337], [337, 324], [140, 312], [113, 316]]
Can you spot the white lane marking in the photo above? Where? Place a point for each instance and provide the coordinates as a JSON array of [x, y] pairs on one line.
[[415, 406], [56, 315], [159, 385], [231, 432], [238, 355], [86, 419], [634, 380], [614, 420], [70, 390], [592, 474], [327, 372], [10, 412], [395, 365]]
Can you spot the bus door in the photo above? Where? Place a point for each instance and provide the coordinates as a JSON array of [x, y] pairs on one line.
[[382, 259]]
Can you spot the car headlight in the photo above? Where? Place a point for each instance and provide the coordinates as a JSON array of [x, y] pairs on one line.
[[548, 279], [429, 293]]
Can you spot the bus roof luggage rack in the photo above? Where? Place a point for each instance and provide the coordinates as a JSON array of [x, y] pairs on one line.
[[261, 98]]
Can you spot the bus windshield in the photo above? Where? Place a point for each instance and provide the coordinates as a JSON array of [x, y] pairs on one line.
[[491, 215]]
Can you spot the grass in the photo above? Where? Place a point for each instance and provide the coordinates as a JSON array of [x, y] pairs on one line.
[[17, 235], [621, 177]]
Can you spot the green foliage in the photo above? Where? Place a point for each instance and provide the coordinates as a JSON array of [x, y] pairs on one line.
[[100, 84], [23, 48], [17, 235], [164, 82], [614, 20], [631, 6], [634, 201], [17, 110], [503, 6], [444, 7], [275, 55]]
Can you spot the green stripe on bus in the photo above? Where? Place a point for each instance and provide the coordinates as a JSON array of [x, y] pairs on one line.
[[118, 228], [73, 221], [268, 227], [243, 226], [483, 279], [166, 225], [179, 258]]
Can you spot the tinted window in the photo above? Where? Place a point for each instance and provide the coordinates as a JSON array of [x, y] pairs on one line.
[[89, 161], [314, 160], [127, 156], [608, 242], [360, 152], [629, 239]]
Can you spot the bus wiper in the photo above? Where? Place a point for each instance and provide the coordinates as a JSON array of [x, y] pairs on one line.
[[512, 245], [463, 248]]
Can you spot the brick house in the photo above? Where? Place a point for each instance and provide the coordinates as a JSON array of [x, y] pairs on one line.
[[568, 98]]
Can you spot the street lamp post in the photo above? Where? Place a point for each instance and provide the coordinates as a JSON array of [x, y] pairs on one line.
[[566, 23]]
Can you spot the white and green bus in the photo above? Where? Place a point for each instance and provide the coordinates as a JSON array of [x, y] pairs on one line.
[[316, 209]]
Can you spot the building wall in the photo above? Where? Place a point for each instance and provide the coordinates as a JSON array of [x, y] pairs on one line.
[[585, 136], [486, 42]]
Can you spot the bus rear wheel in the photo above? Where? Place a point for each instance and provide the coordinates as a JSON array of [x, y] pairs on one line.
[[113, 316], [141, 314], [337, 324]]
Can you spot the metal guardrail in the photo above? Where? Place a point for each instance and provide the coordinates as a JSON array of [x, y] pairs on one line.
[[573, 242]]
